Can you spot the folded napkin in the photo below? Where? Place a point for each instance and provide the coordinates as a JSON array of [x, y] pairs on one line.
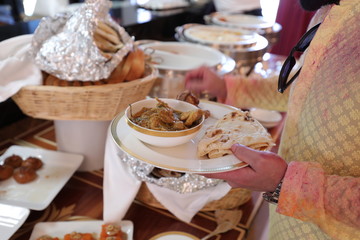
[[121, 186], [17, 68], [185, 205]]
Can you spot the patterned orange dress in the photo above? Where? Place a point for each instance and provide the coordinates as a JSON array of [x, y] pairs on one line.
[[320, 196]]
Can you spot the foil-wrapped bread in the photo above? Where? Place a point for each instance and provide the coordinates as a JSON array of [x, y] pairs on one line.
[[86, 48], [132, 67]]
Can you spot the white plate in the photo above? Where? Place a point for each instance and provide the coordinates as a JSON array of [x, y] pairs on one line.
[[11, 219], [266, 117], [210, 34], [241, 20], [59, 229], [57, 169], [182, 56], [174, 236], [182, 158]]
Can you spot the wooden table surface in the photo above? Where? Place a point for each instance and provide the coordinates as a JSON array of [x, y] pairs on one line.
[[81, 198]]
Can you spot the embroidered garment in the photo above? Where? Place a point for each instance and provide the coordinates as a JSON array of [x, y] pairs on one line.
[[320, 196]]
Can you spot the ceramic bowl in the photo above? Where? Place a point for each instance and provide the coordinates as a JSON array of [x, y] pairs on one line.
[[162, 138]]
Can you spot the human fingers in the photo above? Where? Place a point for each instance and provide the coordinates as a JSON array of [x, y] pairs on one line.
[[206, 79], [195, 86], [251, 156], [195, 74], [269, 167], [264, 172], [235, 178], [196, 80], [244, 154]]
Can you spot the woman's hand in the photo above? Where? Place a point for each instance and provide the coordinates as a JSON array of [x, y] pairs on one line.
[[204, 79], [264, 173]]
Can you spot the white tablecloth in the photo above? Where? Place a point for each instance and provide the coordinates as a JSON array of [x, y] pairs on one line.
[[121, 187]]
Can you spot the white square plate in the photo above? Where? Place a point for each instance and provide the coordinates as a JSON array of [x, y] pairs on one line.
[[57, 169], [11, 219], [59, 229]]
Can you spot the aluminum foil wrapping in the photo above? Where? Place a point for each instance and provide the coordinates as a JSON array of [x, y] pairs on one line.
[[187, 183], [63, 45]]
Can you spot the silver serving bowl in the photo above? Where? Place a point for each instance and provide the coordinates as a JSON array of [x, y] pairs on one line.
[[174, 59]]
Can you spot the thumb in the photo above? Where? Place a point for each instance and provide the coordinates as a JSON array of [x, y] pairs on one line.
[[251, 156]]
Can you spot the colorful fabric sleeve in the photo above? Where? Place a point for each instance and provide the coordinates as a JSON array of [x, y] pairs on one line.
[[331, 202], [255, 91]]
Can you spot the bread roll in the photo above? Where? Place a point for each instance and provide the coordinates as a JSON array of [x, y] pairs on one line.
[[137, 65]]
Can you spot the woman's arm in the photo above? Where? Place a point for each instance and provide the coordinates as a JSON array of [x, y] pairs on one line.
[[255, 91], [239, 91], [332, 202], [307, 193]]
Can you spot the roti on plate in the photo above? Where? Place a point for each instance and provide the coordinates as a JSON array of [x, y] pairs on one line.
[[235, 127]]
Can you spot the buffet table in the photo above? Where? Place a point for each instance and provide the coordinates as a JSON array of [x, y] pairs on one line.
[[81, 198]]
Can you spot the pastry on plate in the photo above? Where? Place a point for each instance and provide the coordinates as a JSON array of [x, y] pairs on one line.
[[33, 162], [24, 174], [111, 231], [14, 161], [6, 172]]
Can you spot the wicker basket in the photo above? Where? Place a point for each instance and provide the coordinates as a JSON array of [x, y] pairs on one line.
[[100, 103], [234, 198]]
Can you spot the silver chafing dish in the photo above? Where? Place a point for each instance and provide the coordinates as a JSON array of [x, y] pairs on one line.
[[175, 59], [245, 47], [270, 30]]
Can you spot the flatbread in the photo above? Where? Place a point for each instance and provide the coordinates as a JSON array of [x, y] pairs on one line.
[[235, 127]]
